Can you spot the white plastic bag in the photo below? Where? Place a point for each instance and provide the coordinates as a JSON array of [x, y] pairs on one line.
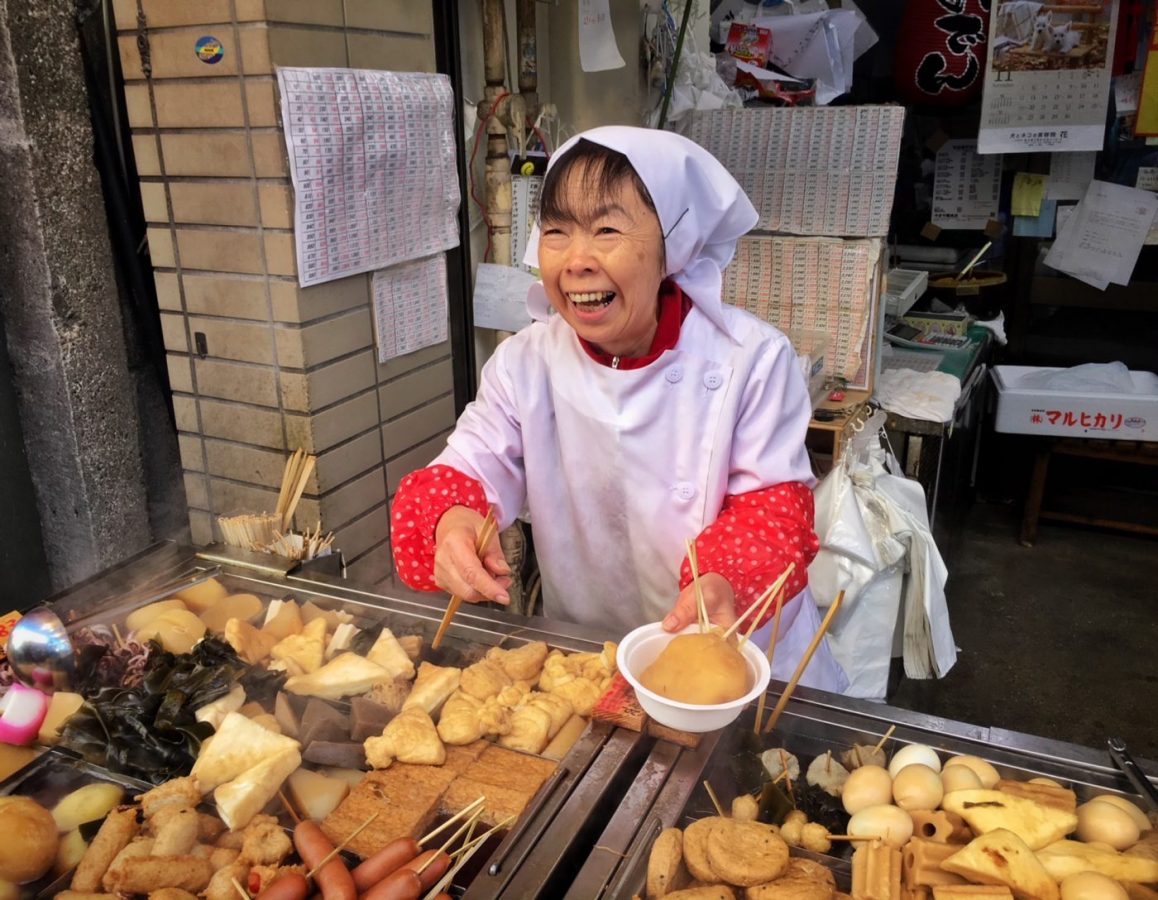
[[1092, 378], [859, 556], [876, 546]]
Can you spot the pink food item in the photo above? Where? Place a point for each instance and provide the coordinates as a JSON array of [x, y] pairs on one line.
[[23, 709]]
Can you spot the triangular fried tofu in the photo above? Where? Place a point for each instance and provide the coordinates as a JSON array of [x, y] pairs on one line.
[[985, 811], [390, 655], [239, 800], [307, 649], [433, 685], [282, 619], [347, 675], [1001, 857], [239, 744], [251, 645], [1070, 857]]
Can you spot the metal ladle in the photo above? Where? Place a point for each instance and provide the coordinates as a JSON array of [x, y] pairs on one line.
[[40, 651]]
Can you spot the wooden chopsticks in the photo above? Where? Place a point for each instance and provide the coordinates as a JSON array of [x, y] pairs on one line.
[[484, 538], [298, 469], [804, 660]]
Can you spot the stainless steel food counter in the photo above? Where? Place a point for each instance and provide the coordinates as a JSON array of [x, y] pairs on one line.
[[588, 832]]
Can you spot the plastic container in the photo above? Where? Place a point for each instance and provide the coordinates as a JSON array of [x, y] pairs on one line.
[[1101, 416], [640, 648]]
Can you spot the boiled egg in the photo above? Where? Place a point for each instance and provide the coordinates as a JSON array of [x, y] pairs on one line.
[[1091, 886], [866, 786], [917, 787], [891, 824], [1102, 821], [1122, 803], [959, 778], [914, 753], [982, 769]]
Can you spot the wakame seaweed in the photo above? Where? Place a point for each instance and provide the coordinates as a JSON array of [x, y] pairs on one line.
[[149, 731]]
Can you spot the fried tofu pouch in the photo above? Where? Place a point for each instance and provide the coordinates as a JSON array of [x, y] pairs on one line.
[[118, 829]]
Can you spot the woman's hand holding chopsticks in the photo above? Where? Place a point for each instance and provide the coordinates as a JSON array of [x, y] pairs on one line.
[[459, 569], [719, 599]]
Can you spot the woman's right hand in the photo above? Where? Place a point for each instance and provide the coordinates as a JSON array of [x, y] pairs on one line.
[[458, 568]]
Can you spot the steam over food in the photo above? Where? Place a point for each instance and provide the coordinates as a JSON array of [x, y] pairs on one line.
[[698, 668]]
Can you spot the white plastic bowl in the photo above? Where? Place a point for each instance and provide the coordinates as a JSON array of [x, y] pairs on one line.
[[640, 648]]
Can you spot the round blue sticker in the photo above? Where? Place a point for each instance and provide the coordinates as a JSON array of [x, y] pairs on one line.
[[209, 49]]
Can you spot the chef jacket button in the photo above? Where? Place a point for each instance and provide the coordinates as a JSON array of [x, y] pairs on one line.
[[674, 374], [713, 380], [685, 490]]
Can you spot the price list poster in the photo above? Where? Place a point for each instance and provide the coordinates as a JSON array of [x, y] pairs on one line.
[[811, 284], [373, 166], [966, 186], [1048, 75], [811, 171]]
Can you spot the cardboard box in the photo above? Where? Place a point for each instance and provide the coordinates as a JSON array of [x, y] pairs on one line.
[[1101, 416]]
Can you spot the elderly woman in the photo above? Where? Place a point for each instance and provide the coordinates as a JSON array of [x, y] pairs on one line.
[[643, 413]]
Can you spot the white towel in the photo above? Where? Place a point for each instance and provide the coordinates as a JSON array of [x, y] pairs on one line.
[[930, 396]]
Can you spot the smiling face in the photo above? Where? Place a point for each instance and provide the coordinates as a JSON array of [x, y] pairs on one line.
[[601, 259]]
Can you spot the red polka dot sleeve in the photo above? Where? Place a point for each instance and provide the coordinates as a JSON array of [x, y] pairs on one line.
[[422, 497], [754, 539]]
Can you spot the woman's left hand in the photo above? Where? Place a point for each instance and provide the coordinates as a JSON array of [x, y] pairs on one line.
[[719, 598]]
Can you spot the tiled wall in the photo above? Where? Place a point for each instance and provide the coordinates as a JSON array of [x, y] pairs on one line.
[[283, 366]]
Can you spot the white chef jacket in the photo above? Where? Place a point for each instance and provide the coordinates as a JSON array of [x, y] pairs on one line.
[[615, 469]]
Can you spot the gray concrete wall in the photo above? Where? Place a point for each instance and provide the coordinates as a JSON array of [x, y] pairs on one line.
[[59, 301]]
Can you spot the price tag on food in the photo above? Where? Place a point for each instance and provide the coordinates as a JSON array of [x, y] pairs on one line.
[[6, 622]]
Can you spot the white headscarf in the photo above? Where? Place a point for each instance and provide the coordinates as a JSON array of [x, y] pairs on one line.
[[702, 211]]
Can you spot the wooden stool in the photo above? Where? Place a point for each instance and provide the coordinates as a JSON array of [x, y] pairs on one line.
[[1141, 453]]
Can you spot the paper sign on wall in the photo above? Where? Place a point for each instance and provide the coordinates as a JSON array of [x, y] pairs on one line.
[[1070, 174], [597, 49], [372, 155], [410, 310], [966, 186], [1100, 242]]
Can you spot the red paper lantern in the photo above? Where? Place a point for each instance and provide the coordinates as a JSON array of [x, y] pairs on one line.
[[941, 48]]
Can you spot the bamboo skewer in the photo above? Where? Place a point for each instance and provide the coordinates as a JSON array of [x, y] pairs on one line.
[[715, 800], [701, 607], [289, 807], [484, 538], [464, 853], [240, 890], [465, 811], [888, 734], [761, 604], [852, 837], [289, 479], [465, 828], [769, 653], [353, 834], [804, 660], [976, 259], [298, 490]]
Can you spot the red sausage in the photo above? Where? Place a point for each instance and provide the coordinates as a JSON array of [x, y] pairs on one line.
[[389, 859], [291, 886], [403, 884], [333, 879], [432, 872]]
